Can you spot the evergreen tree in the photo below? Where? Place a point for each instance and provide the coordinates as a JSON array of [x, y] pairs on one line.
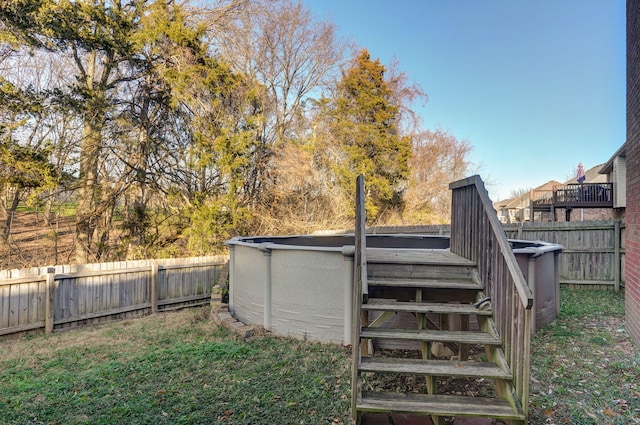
[[364, 137]]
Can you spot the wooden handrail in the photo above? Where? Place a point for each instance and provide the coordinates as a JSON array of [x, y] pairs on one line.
[[360, 260], [476, 234], [489, 212], [360, 289]]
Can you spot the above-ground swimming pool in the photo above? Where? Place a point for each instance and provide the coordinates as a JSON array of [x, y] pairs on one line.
[[301, 286]]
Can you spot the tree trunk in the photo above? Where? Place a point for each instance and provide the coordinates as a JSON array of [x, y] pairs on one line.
[[87, 194], [140, 205], [88, 188], [10, 213]]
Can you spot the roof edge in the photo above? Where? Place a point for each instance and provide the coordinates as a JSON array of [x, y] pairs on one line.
[[608, 166]]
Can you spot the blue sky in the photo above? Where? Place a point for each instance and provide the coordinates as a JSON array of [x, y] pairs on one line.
[[535, 86]]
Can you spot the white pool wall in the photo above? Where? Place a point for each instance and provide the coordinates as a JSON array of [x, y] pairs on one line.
[[298, 291]]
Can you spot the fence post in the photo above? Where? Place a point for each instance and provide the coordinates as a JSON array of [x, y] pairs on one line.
[[616, 256], [50, 288], [154, 288]]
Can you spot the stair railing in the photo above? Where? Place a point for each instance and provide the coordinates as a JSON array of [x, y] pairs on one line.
[[360, 289], [476, 234]]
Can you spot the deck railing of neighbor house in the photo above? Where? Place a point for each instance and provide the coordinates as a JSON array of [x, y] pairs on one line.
[[587, 195], [574, 195], [360, 290], [476, 234]]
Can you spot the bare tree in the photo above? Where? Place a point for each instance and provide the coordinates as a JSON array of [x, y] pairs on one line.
[[519, 191], [279, 44], [438, 159], [33, 128], [404, 96]]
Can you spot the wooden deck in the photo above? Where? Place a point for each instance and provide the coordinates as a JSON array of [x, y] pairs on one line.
[[442, 257]]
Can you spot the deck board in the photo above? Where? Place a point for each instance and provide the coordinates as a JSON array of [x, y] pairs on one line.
[[426, 283], [462, 337], [416, 256], [414, 307], [434, 367], [441, 405]]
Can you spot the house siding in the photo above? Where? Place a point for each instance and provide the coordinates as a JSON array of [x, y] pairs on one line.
[[620, 190], [587, 214], [632, 275]]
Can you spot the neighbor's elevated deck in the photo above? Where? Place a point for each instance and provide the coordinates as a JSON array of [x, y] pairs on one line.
[[586, 195]]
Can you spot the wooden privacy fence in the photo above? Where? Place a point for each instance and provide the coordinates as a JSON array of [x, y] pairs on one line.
[[593, 253], [64, 296]]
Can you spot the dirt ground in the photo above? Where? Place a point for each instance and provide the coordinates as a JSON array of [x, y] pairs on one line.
[[33, 242], [446, 385]]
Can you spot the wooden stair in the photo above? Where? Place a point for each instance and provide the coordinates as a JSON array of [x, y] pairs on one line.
[[437, 291], [457, 368], [438, 405]]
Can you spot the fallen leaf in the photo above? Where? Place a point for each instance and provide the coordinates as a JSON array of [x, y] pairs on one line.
[[609, 412], [621, 403]]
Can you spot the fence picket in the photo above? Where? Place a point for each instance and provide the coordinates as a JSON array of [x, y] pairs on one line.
[[72, 295]]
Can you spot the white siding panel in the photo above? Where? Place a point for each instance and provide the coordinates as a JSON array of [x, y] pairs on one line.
[[619, 182]]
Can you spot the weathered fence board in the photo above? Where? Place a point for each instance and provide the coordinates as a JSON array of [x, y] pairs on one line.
[[594, 250], [67, 296]]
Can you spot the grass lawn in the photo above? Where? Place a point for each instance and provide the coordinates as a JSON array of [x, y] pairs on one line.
[[584, 368], [179, 368], [173, 368]]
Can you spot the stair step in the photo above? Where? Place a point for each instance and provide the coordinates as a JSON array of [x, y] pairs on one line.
[[426, 283], [469, 369], [462, 337], [421, 271], [438, 405], [415, 307]]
